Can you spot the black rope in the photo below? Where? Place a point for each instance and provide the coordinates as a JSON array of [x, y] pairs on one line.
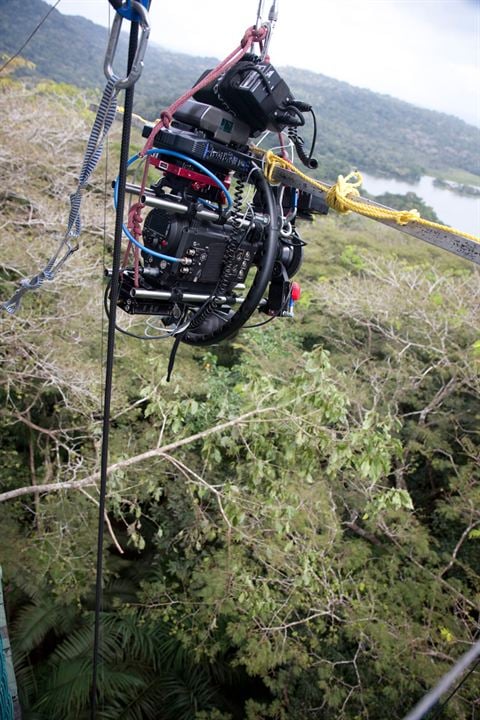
[[173, 355], [127, 117]]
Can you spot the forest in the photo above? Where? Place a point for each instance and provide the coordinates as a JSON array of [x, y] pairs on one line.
[[293, 521]]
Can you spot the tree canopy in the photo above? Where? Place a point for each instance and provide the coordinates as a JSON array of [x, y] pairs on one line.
[[293, 521]]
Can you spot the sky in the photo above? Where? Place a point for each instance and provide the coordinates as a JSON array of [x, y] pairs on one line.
[[426, 52]]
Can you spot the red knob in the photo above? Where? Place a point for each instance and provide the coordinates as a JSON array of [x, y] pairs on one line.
[[295, 292]]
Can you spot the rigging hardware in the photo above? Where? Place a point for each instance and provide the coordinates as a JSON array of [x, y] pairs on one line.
[[198, 245], [448, 239], [136, 8]]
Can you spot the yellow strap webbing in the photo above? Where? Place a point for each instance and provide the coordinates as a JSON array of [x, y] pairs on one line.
[[341, 196]]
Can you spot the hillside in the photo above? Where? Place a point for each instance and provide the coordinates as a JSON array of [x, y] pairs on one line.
[[357, 127]]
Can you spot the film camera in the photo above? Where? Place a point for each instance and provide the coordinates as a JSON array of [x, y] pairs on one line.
[[206, 268]]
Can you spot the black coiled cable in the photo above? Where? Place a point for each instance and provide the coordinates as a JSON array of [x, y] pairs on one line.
[[307, 160], [228, 272], [262, 276]]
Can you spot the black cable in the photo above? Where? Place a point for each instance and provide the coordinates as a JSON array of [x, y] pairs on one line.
[[223, 282], [173, 355], [299, 147], [314, 138], [127, 117], [29, 37], [265, 322], [231, 326], [261, 324], [295, 111]]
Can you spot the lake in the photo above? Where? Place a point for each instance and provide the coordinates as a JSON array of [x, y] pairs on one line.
[[459, 211]]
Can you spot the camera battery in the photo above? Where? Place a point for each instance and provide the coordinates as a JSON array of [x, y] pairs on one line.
[[254, 91]]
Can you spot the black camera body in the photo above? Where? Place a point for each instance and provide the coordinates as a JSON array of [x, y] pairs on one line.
[[205, 270]]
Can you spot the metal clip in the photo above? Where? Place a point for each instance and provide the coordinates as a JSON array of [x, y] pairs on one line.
[[137, 65]]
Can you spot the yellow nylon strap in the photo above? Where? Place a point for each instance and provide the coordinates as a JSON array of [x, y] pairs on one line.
[[121, 110], [341, 196]]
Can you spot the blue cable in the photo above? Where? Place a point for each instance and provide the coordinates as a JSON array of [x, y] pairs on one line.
[[207, 204], [173, 153]]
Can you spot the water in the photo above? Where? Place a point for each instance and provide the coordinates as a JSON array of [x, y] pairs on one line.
[[459, 211]]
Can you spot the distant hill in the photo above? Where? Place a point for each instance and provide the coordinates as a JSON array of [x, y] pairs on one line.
[[357, 127]]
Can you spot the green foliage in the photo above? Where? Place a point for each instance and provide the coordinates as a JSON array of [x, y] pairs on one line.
[[308, 536], [393, 498], [350, 258], [142, 668]]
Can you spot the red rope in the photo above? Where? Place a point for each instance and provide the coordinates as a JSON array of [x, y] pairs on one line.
[[282, 146], [126, 256], [135, 221], [252, 35], [134, 224]]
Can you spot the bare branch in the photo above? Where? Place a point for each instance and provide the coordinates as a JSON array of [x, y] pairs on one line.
[[135, 459], [107, 521], [457, 547]]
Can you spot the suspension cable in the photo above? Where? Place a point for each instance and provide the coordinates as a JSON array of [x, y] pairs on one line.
[[127, 121], [30, 37], [430, 700]]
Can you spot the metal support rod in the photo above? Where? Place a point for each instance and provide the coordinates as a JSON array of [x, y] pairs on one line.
[[135, 189], [151, 200], [182, 297], [186, 297]]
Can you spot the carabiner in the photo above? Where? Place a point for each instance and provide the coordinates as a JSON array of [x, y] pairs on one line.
[[137, 65]]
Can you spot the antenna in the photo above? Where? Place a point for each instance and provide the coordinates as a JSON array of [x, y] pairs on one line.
[[269, 24]]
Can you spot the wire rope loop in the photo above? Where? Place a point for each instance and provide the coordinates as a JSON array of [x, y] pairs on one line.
[[137, 65]]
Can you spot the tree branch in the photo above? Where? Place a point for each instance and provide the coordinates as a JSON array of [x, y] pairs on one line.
[[355, 528], [459, 544], [107, 521], [134, 460]]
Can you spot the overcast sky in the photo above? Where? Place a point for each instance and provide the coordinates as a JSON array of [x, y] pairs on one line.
[[424, 51]]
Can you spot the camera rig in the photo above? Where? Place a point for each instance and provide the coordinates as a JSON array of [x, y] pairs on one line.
[[219, 242]]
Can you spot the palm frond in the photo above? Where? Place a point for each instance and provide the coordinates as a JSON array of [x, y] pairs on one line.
[[32, 624], [187, 693], [66, 691]]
